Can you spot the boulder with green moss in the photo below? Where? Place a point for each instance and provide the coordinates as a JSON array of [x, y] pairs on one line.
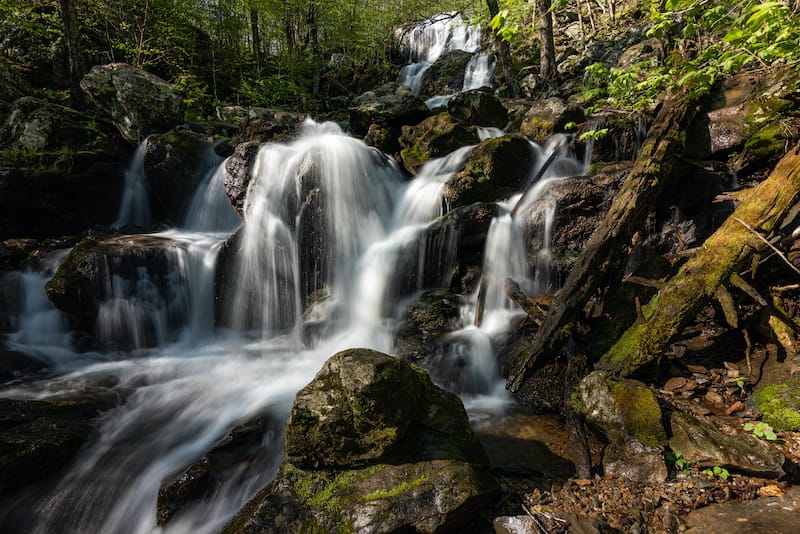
[[391, 105], [628, 414], [373, 446], [478, 107], [496, 169], [780, 404], [446, 75], [428, 318], [704, 445], [548, 116], [434, 137], [137, 102]]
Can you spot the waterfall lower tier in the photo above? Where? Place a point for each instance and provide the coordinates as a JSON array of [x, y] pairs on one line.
[[337, 249]]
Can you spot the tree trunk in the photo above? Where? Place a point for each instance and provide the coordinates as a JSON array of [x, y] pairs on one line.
[[72, 39], [256, 34], [547, 53], [504, 55], [722, 254], [605, 252]]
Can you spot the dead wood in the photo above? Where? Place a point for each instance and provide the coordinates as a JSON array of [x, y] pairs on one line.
[[606, 251]]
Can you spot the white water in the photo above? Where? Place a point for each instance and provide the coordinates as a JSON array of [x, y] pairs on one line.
[[199, 382], [479, 72], [135, 207]]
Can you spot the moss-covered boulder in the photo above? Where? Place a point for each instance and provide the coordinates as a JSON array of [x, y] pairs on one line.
[[628, 414], [264, 125], [496, 169], [764, 148], [701, 443], [391, 105], [60, 170], [434, 137], [780, 404], [175, 163], [478, 107], [39, 438], [428, 318], [137, 102], [446, 75], [373, 446], [548, 116]]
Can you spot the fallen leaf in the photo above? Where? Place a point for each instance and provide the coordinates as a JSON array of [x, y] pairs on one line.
[[770, 491]]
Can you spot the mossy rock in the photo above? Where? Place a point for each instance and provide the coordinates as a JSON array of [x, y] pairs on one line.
[[763, 149], [549, 116], [432, 315], [780, 405], [434, 137], [478, 107], [621, 409], [496, 169], [446, 75], [373, 446], [391, 105]]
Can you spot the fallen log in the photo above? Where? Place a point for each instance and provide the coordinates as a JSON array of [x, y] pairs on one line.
[[770, 205], [606, 252]]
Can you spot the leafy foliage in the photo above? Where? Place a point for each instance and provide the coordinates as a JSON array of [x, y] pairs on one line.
[[717, 471], [761, 430]]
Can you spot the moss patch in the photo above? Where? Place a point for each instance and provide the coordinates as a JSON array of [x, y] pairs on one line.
[[780, 405], [640, 412]]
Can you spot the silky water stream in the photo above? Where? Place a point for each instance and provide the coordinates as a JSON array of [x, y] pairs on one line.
[[326, 219]]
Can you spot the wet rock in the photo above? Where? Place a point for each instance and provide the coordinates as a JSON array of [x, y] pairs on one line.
[[264, 125], [629, 415], [137, 102], [247, 453], [384, 139], [39, 438], [434, 137], [548, 116], [478, 107], [372, 445], [428, 319], [496, 169], [391, 105], [175, 163], [446, 75], [702, 444], [237, 175], [624, 134]]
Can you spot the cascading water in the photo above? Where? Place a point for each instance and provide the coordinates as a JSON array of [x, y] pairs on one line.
[[325, 220], [479, 72], [135, 207]]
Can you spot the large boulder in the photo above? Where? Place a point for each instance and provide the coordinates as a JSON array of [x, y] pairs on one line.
[[373, 446], [446, 75], [391, 105], [137, 102], [60, 171], [628, 414], [496, 169], [131, 283], [704, 445], [434, 137], [478, 107], [548, 116], [263, 125]]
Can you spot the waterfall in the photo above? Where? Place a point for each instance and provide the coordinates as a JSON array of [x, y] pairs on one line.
[[135, 206], [480, 70], [329, 226], [426, 42]]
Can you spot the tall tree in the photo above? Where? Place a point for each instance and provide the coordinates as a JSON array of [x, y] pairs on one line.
[[75, 63], [547, 47]]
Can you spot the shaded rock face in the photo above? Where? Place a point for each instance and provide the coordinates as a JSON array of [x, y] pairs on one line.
[[391, 105], [548, 116], [434, 137], [39, 438], [446, 75], [58, 171], [175, 163], [373, 446], [263, 125], [237, 175], [478, 107], [137, 102], [496, 169], [702, 444], [624, 136], [96, 274], [248, 452], [428, 319], [629, 415], [10, 86]]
